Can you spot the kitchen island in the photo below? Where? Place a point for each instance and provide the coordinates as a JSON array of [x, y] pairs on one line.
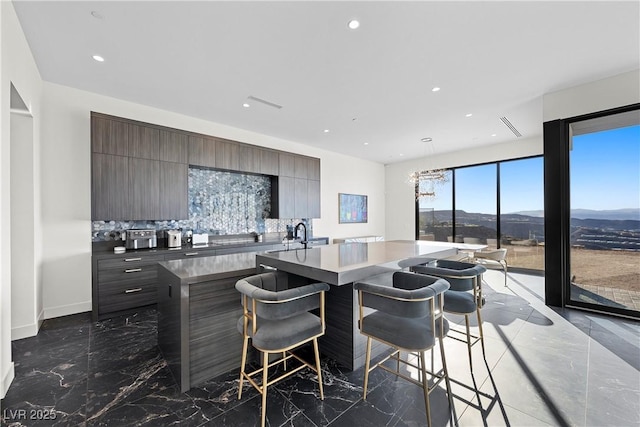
[[198, 307], [341, 265]]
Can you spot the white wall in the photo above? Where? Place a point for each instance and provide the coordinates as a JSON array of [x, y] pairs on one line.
[[617, 91], [66, 189], [400, 195], [17, 67]]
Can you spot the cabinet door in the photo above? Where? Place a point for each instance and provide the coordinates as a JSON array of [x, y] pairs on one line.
[[286, 197], [313, 198], [144, 189], [144, 142], [301, 167], [287, 164], [202, 151], [173, 191], [249, 160], [109, 187], [227, 155], [313, 168], [173, 147], [301, 198], [269, 162], [109, 136]]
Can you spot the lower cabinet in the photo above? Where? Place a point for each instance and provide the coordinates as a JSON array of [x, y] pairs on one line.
[[124, 283]]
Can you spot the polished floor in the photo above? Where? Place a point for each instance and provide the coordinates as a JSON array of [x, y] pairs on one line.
[[543, 367]]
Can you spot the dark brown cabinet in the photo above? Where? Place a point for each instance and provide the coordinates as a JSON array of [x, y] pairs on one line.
[[202, 151], [227, 155], [174, 191], [144, 142], [109, 136], [144, 189], [174, 147], [269, 162], [125, 282], [109, 187], [298, 187]]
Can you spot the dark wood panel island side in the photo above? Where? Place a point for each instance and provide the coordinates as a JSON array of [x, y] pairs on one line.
[[198, 307]]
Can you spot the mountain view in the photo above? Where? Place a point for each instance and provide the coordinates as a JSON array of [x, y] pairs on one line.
[[604, 230]]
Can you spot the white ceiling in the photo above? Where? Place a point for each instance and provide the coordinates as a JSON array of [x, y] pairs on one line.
[[372, 85]]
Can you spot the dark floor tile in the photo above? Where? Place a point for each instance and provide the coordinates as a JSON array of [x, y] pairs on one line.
[[279, 412], [107, 391]]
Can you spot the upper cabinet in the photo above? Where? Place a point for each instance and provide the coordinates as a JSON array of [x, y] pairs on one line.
[[140, 171]]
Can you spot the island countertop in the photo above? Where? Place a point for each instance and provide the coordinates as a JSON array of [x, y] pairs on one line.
[[195, 270], [344, 263]]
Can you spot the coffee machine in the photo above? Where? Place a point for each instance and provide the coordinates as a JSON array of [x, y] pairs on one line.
[[140, 239], [174, 238]]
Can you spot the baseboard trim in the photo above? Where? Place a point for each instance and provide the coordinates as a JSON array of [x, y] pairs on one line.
[[7, 379], [65, 310], [26, 331]]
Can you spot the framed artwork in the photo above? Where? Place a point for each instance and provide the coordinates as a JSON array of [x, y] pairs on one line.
[[352, 208]]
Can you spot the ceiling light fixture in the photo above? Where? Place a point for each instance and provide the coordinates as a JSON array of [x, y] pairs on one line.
[[353, 24], [366, 143], [426, 180], [98, 58], [468, 115], [245, 105], [97, 14], [435, 89], [326, 131]]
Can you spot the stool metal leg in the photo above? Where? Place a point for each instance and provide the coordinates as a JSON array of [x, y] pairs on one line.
[[425, 386], [245, 344], [480, 330], [315, 350], [366, 367], [466, 321], [265, 375]]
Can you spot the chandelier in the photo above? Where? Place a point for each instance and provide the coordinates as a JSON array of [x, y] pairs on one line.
[[425, 181]]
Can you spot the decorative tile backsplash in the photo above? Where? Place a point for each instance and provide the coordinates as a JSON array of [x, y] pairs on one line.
[[223, 203]]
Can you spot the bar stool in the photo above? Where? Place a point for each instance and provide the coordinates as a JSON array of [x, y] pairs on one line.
[[408, 317], [279, 321], [464, 296]]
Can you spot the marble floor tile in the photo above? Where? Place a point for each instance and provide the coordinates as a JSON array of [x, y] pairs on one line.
[[543, 366]]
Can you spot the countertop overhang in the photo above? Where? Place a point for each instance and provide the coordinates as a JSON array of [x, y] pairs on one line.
[[344, 263]]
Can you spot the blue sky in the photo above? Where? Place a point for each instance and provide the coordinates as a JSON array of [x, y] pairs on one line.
[[605, 174]]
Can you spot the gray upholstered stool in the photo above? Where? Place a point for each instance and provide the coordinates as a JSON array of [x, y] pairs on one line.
[[408, 318], [278, 321], [463, 297]]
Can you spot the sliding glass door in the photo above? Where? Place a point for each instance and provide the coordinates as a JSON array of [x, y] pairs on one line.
[[604, 160]]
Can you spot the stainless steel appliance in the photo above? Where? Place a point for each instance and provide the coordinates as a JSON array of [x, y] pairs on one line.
[[174, 238], [140, 239]]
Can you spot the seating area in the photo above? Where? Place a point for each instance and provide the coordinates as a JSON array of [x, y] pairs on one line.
[[543, 367]]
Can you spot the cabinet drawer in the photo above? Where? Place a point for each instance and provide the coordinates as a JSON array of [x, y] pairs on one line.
[[128, 261], [123, 296], [130, 275], [193, 253]]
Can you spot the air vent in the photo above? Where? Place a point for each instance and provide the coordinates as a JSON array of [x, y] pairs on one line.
[[265, 102], [511, 127]]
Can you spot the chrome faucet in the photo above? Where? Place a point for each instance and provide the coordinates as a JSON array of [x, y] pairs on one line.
[[295, 230]]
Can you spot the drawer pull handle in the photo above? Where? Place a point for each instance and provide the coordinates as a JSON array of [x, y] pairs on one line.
[[133, 270], [130, 291], [132, 259], [191, 254]]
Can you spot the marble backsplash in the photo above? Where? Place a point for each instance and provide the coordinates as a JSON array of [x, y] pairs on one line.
[[220, 203]]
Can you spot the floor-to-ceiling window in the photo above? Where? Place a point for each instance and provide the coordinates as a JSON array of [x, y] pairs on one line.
[[604, 164], [499, 204], [476, 203], [522, 212]]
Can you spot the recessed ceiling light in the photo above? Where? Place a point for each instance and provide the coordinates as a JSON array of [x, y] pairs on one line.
[[435, 89], [468, 115], [493, 134], [366, 143], [245, 105], [326, 131], [98, 58], [401, 154], [96, 14], [353, 24], [427, 139]]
